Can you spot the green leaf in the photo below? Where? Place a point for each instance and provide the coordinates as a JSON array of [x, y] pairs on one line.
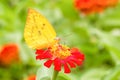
[[114, 74], [45, 78], [43, 73], [67, 7], [94, 74], [62, 76], [111, 44]]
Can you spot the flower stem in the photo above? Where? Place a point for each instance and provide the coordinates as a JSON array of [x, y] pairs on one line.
[[55, 73]]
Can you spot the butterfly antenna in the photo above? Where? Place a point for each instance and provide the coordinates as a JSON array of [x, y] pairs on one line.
[[63, 38], [67, 35]]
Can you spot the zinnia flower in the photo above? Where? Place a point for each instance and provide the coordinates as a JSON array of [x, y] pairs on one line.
[[84, 5], [93, 6], [9, 54], [111, 2], [60, 55], [32, 77]]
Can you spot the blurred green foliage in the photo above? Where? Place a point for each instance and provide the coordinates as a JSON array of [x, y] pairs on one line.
[[96, 35]]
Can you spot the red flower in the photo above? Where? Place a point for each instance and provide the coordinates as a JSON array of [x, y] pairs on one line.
[[60, 55], [32, 77], [112, 2], [93, 6], [84, 4], [9, 54]]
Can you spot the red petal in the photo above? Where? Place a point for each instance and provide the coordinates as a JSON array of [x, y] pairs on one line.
[[78, 55], [48, 63], [82, 56], [74, 50], [44, 56], [72, 65], [39, 51], [66, 68], [78, 62], [57, 64]]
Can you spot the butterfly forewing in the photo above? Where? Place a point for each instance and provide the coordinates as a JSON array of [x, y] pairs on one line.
[[38, 32]]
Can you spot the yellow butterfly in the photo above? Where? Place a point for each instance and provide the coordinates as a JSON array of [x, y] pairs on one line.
[[38, 32]]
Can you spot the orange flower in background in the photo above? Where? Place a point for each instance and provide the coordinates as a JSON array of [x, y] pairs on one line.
[[32, 77], [112, 2], [93, 6], [0, 49], [60, 55], [9, 54], [84, 5]]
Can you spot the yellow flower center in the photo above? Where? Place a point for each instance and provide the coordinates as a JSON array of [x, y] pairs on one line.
[[60, 51]]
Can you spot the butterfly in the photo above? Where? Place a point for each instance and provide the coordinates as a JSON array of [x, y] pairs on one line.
[[38, 32]]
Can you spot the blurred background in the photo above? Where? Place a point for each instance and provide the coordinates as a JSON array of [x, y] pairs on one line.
[[97, 35]]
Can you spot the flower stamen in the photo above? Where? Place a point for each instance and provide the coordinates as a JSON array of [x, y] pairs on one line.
[[61, 51]]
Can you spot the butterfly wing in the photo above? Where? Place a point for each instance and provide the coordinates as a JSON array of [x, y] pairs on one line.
[[38, 32]]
